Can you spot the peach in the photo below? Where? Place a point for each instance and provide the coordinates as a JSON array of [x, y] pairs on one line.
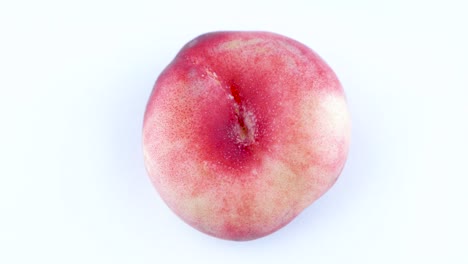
[[243, 131]]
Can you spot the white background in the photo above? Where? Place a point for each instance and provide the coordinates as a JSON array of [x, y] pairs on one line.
[[74, 80]]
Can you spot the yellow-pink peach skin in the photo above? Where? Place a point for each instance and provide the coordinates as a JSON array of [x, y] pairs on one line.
[[243, 131]]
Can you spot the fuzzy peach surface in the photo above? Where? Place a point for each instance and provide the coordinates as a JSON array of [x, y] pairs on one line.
[[243, 131]]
